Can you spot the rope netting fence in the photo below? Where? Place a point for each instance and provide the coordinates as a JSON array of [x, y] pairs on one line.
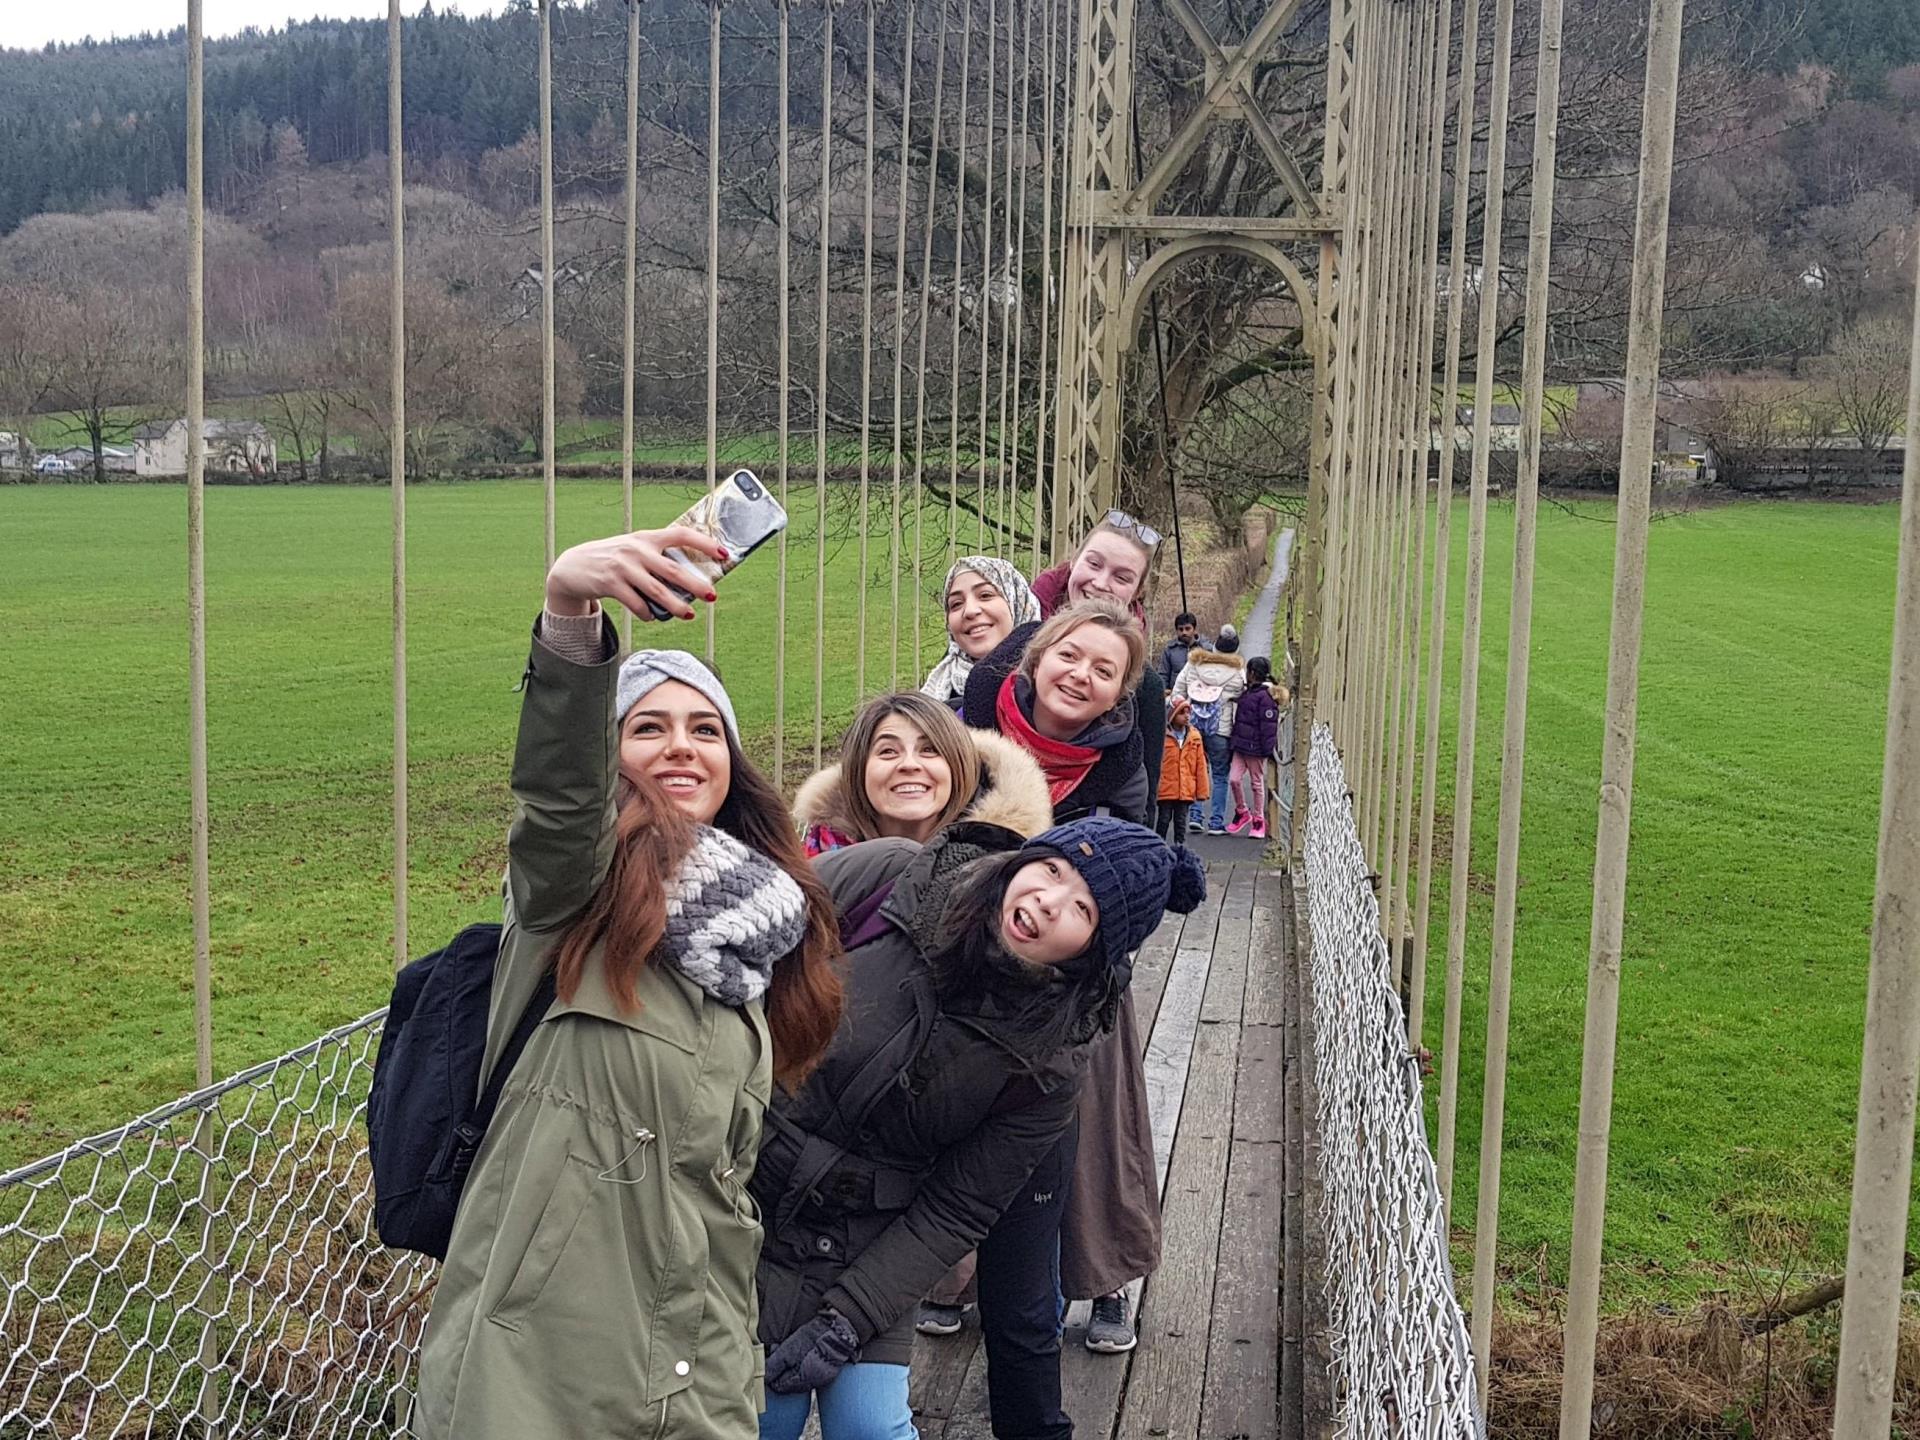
[[1402, 1362], [211, 1268]]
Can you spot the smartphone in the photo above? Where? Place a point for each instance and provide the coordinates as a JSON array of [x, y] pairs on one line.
[[741, 514]]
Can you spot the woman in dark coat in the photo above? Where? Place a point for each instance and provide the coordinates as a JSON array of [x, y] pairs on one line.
[[1077, 669], [1112, 564], [979, 969], [1111, 1229]]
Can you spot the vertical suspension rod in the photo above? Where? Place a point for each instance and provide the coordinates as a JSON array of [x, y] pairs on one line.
[[866, 358], [1420, 426], [900, 333], [1400, 482], [713, 263], [546, 270], [1513, 760], [984, 304], [397, 463], [953, 297], [820, 389], [1489, 320], [196, 549], [1623, 698], [1443, 512], [629, 356], [920, 368], [784, 262]]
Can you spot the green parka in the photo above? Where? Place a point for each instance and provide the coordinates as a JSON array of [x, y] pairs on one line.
[[600, 1278]]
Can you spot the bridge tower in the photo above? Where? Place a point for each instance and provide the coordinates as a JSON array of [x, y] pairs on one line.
[[1120, 244]]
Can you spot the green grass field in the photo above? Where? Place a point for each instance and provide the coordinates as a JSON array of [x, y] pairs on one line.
[[1756, 801], [1762, 723], [93, 797]]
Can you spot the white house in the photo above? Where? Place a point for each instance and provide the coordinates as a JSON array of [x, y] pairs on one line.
[[14, 455], [234, 447]]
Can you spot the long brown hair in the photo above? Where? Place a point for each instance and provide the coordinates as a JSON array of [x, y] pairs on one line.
[[627, 916], [931, 719], [806, 997]]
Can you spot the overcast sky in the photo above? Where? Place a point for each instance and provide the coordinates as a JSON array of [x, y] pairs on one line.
[[32, 23]]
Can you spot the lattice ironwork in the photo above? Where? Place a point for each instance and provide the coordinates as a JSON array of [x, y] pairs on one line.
[[1402, 1364], [211, 1268]]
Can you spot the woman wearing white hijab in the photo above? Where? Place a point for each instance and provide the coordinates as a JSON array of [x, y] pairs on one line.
[[986, 598]]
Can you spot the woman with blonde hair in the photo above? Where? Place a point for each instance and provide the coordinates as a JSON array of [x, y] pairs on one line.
[[1063, 691], [908, 769]]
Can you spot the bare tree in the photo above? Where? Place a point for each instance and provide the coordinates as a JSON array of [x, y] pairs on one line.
[[463, 368], [1863, 381], [24, 377], [1748, 423], [104, 351]]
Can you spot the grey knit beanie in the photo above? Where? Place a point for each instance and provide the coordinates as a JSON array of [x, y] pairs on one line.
[[1229, 640], [646, 670]]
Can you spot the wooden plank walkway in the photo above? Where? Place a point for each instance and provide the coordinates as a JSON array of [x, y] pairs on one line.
[[1211, 991]]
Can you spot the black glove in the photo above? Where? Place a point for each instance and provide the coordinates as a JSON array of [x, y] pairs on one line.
[[813, 1356]]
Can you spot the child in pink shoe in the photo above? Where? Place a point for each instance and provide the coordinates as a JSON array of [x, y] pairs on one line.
[[1256, 729]]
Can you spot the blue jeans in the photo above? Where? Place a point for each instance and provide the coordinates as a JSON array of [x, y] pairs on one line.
[[865, 1402], [1219, 761]]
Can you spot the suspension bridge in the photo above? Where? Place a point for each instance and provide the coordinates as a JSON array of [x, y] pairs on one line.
[[210, 1268]]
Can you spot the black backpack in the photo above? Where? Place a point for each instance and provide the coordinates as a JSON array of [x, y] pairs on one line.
[[423, 1125]]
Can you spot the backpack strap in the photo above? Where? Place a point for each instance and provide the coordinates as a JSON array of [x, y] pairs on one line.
[[530, 1018]]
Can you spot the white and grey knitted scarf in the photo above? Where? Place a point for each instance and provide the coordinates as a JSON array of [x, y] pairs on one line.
[[732, 914]]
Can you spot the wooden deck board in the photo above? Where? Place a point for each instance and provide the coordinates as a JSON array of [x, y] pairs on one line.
[[1212, 995]]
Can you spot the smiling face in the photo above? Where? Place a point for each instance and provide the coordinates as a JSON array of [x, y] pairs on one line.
[[1047, 914], [674, 736], [978, 616], [908, 781], [1078, 679], [1108, 567]]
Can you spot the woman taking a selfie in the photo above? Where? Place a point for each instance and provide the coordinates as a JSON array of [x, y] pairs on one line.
[[600, 1272], [907, 769], [986, 599], [984, 968]]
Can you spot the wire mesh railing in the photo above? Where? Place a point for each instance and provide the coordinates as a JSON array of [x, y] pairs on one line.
[[1401, 1360], [211, 1268]]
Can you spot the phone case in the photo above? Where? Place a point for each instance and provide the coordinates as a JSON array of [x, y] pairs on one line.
[[741, 514]]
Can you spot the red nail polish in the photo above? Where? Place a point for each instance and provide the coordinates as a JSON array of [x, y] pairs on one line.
[[723, 554], [711, 597]]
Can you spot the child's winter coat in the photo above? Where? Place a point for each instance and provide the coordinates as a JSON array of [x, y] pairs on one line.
[[1256, 723], [1183, 769]]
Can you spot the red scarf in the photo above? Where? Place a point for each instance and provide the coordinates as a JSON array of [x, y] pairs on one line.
[[1064, 763]]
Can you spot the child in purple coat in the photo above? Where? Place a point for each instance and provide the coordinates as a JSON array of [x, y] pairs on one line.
[[1256, 730]]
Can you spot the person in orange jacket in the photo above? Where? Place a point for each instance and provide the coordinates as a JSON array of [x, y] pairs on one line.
[[1183, 773]]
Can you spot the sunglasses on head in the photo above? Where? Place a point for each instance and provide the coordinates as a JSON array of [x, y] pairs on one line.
[[1120, 520]]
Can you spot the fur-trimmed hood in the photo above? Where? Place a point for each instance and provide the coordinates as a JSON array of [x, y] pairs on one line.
[[1201, 655], [1012, 793]]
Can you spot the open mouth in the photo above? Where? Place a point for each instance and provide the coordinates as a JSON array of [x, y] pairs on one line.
[[1078, 697], [678, 782], [911, 790], [1024, 925]]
